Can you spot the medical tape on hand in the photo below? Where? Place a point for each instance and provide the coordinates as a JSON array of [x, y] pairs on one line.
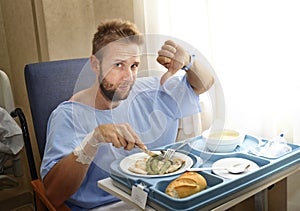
[[86, 151]]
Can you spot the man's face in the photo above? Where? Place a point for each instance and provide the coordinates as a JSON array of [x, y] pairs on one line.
[[118, 70]]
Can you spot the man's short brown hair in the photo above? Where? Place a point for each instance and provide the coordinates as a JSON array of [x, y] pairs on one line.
[[112, 30]]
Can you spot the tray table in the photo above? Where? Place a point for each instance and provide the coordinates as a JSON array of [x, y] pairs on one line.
[[219, 189]]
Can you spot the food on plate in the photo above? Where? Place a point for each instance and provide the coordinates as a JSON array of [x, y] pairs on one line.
[[185, 185], [156, 165]]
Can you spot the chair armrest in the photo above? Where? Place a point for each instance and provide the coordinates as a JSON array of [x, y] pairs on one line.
[[42, 202]]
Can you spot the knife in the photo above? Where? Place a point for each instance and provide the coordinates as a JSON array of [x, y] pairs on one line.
[[148, 152]]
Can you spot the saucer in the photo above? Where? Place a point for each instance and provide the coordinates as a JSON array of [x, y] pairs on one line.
[[227, 162]]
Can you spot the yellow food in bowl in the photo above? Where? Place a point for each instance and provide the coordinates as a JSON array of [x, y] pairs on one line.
[[226, 135], [222, 141]]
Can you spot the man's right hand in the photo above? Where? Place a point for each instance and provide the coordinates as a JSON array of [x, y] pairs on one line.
[[120, 135]]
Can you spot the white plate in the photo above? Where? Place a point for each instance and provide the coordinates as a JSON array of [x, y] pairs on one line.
[[131, 159], [227, 162]]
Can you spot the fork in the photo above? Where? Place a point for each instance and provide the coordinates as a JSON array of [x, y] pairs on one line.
[[170, 151]]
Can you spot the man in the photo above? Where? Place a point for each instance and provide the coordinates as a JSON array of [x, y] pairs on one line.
[[116, 114]]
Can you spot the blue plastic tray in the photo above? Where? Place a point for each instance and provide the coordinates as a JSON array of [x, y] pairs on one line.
[[218, 187]]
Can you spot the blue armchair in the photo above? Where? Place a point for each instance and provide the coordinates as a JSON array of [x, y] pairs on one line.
[[48, 84]]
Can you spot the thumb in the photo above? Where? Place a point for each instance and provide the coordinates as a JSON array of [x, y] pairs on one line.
[[165, 61]]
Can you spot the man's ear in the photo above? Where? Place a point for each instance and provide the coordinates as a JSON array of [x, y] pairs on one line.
[[95, 64]]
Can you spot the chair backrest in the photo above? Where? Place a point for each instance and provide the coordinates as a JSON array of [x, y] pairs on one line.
[[50, 83]]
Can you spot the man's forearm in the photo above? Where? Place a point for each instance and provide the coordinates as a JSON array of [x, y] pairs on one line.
[[200, 78], [64, 179]]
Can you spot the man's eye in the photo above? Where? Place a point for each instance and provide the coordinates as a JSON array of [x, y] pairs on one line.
[[118, 65], [135, 66]]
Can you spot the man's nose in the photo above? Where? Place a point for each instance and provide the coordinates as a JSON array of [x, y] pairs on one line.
[[128, 74]]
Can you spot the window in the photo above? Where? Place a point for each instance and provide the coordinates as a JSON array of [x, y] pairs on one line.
[[253, 46]]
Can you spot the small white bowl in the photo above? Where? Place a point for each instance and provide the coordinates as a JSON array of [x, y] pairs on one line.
[[223, 140]]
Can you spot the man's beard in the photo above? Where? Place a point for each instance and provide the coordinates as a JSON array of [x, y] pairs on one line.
[[112, 94]]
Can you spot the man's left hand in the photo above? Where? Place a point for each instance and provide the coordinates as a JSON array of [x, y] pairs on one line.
[[172, 56]]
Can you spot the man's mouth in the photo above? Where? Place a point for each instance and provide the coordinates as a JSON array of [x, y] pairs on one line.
[[124, 87]]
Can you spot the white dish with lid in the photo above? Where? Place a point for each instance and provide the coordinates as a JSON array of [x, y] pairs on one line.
[[225, 140]]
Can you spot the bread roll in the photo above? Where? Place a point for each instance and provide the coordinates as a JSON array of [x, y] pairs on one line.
[[187, 184]]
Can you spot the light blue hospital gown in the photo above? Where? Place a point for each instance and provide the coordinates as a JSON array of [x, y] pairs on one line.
[[151, 109]]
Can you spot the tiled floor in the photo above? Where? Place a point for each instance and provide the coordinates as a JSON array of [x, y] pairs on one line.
[[23, 201], [29, 207], [19, 197]]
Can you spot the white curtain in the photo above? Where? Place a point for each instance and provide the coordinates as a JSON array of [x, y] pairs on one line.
[[254, 47]]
